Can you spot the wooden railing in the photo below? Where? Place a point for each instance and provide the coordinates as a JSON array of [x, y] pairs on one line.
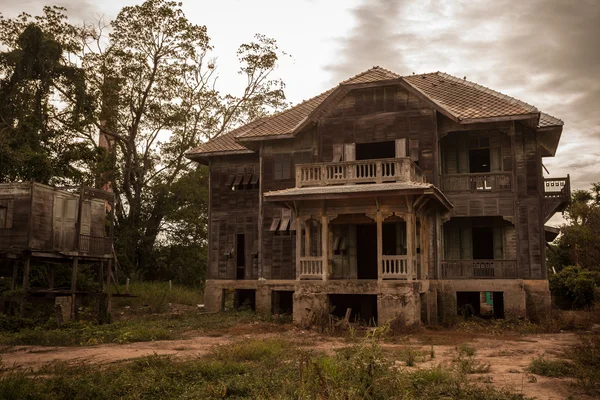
[[486, 181], [479, 269], [364, 171], [556, 188], [311, 267], [397, 267], [95, 245]]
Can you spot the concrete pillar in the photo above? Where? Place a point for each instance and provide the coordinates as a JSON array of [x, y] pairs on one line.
[[263, 299], [309, 308], [213, 297]]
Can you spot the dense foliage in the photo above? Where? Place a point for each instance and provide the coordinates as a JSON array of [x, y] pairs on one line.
[[574, 260], [149, 90]]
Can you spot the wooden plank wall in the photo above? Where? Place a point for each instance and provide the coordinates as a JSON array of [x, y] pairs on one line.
[[376, 115], [41, 217], [232, 213], [18, 195]]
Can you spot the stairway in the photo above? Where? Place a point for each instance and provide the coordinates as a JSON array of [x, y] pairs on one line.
[[557, 196]]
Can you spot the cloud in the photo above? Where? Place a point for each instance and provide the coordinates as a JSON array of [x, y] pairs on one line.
[[543, 52]]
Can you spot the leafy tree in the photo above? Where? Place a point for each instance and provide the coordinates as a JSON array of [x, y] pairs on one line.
[[43, 103], [575, 287], [159, 94], [578, 243]]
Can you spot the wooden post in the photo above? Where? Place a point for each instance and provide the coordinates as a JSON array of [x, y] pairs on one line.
[[26, 266], [15, 276], [74, 286], [410, 235], [170, 285], [325, 246], [127, 286], [379, 221], [298, 246], [108, 275]]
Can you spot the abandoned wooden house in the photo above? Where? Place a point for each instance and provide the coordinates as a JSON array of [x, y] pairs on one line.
[[393, 196], [48, 227]]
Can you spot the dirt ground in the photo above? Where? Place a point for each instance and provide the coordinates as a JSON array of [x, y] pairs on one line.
[[508, 356]]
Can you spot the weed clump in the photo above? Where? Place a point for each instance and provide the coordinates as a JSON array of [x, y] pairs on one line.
[[555, 368]]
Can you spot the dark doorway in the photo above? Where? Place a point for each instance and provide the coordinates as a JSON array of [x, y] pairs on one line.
[[283, 301], [245, 299], [483, 243], [480, 304], [468, 304], [371, 151], [366, 251], [479, 160], [240, 257], [498, 303], [364, 307]]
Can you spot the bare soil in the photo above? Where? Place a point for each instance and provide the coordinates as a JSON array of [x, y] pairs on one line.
[[508, 356]]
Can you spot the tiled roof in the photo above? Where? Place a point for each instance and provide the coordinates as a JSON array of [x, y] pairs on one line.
[[547, 120], [467, 100], [459, 98], [225, 142]]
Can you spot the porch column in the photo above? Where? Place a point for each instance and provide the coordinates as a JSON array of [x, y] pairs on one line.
[[299, 226], [378, 220], [325, 246], [410, 240]]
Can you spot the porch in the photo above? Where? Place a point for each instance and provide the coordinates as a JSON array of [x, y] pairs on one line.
[[378, 246]]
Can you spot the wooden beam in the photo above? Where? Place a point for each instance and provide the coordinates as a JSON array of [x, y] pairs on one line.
[[325, 246], [74, 285], [298, 246], [378, 220]]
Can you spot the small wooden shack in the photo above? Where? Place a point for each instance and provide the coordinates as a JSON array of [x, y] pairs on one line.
[[40, 224]]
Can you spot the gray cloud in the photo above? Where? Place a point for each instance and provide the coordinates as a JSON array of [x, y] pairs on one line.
[[546, 53], [78, 10]]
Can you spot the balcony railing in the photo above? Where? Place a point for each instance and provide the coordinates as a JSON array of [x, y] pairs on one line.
[[95, 245], [311, 267], [557, 188], [364, 171], [479, 269], [398, 267], [486, 181]]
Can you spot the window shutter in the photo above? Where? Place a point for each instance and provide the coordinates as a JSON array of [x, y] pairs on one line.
[[463, 155], [349, 152], [400, 148], [338, 151], [495, 159]]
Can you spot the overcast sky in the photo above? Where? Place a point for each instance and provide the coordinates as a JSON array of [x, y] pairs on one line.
[[544, 52]]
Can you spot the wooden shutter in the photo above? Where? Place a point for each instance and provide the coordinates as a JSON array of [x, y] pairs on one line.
[[57, 223], [463, 154], [498, 245], [349, 152], [86, 218], [449, 155], [400, 148], [452, 241], [466, 243], [495, 159], [338, 152]]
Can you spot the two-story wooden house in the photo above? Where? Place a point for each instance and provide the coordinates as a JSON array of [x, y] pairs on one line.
[[392, 196]]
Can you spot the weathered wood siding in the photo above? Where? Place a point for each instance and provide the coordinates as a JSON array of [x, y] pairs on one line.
[[233, 212], [17, 198]]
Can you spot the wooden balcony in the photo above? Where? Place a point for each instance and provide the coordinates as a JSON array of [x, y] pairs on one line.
[[479, 269], [364, 171], [398, 267], [557, 195], [95, 245], [311, 267], [486, 181]]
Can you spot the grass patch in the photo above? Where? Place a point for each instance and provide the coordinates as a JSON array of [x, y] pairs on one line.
[[466, 363], [148, 328], [555, 368], [249, 369], [156, 296]]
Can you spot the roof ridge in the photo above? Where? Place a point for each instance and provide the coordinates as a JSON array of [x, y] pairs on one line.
[[487, 90], [374, 68]]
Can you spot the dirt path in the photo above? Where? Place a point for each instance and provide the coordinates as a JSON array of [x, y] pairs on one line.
[[508, 357]]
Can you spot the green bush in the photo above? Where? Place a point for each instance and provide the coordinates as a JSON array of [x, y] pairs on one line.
[[553, 368], [575, 287]]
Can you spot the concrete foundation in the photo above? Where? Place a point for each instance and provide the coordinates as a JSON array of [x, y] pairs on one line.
[[429, 301]]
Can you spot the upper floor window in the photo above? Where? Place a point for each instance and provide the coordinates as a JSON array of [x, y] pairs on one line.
[[282, 166], [6, 213]]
